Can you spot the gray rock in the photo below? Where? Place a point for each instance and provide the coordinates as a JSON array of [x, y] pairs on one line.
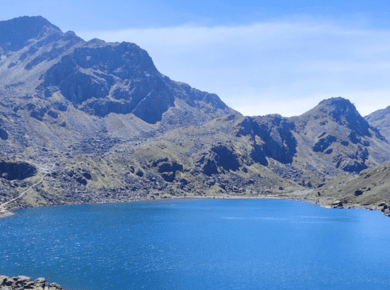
[[337, 204], [40, 281], [55, 286]]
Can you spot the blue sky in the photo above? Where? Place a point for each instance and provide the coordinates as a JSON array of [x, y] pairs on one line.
[[260, 57]]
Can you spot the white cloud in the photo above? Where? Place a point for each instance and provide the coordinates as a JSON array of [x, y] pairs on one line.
[[284, 67]]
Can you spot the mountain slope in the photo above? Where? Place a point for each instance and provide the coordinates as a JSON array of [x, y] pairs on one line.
[[96, 77], [327, 141], [339, 135], [381, 120], [370, 189], [56, 88]]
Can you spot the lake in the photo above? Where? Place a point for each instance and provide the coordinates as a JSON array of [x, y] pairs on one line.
[[199, 244]]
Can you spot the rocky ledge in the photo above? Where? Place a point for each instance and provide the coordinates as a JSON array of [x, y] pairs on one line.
[[23, 282]]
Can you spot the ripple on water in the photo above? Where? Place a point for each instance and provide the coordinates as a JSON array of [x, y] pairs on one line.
[[207, 244]]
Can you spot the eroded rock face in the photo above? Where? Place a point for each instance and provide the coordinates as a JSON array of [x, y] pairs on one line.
[[168, 170], [324, 143], [220, 157], [276, 135], [3, 134], [105, 78], [16, 170], [210, 168]]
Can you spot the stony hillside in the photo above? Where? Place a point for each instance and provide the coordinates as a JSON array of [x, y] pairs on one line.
[[85, 122], [338, 134], [381, 120], [330, 140], [369, 189]]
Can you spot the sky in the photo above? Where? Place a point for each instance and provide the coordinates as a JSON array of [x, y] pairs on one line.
[[259, 57]]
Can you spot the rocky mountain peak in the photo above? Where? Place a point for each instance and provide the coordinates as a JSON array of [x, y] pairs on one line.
[[15, 33], [338, 107], [96, 77], [343, 112]]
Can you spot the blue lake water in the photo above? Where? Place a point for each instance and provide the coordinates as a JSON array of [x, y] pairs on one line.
[[207, 244]]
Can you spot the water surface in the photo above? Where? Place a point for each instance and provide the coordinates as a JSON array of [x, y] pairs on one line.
[[207, 244]]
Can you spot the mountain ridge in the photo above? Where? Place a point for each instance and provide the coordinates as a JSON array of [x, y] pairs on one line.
[[381, 120], [97, 122]]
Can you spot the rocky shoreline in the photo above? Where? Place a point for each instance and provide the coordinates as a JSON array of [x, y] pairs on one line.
[[302, 195], [24, 282]]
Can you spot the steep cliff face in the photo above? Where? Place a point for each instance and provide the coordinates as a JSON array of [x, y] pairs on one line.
[[271, 136], [101, 78]]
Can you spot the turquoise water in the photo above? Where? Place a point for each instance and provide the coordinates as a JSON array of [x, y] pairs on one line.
[[208, 244]]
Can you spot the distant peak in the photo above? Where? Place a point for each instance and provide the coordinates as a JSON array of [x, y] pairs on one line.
[[345, 113], [96, 42], [339, 101], [338, 106], [15, 32], [29, 22], [377, 115]]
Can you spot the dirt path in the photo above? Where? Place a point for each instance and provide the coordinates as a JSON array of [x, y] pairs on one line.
[[46, 171]]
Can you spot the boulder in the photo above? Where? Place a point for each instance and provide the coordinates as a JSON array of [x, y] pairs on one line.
[[337, 204], [55, 286]]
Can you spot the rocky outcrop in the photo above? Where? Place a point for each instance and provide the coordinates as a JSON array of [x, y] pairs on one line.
[[24, 283], [3, 134], [220, 159], [324, 143], [168, 170], [275, 133], [16, 170]]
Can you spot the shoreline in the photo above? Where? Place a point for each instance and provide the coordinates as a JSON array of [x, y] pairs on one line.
[[296, 195]]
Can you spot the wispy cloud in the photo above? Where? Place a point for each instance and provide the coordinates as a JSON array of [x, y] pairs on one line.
[[284, 67]]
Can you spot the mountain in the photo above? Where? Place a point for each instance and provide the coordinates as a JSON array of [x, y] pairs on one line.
[[84, 122], [381, 120], [59, 69], [327, 141], [338, 134]]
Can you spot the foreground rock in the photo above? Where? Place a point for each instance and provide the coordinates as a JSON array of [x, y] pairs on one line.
[[23, 282]]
